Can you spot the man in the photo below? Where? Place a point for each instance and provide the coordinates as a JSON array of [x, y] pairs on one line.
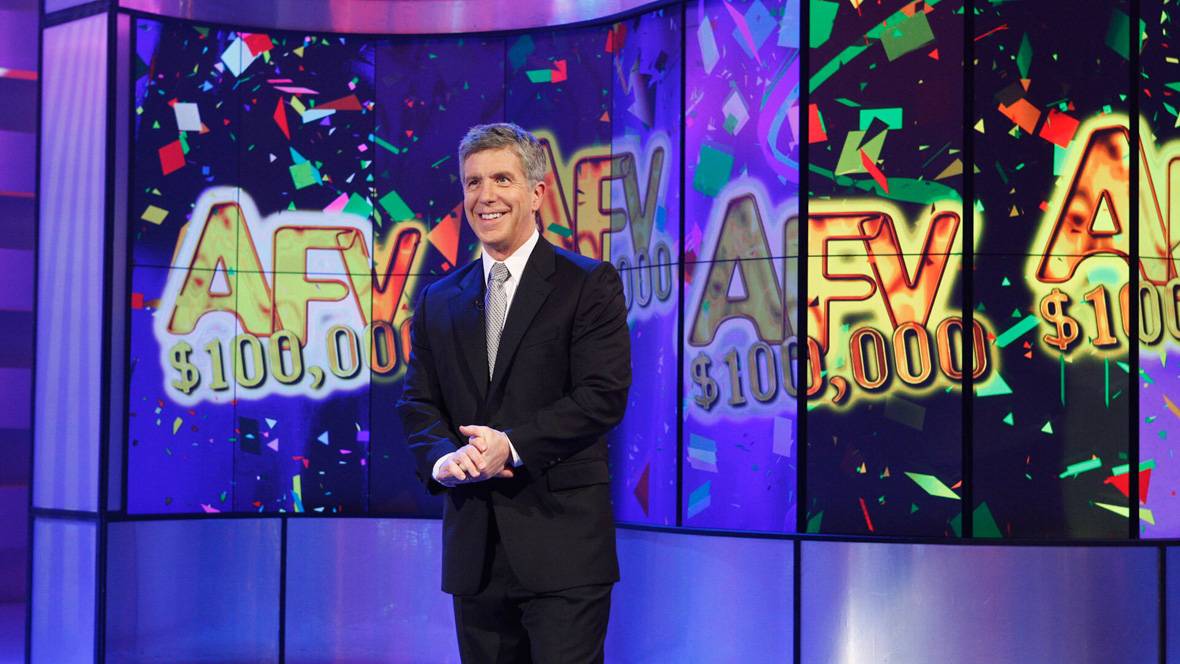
[[509, 422]]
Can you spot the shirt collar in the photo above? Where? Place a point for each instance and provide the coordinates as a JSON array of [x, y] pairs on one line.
[[515, 262]]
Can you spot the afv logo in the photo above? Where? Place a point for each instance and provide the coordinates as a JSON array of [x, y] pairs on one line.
[[293, 303]]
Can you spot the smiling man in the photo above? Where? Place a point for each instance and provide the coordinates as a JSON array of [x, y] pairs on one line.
[[520, 364]]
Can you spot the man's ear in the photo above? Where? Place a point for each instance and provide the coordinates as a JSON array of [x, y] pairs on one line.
[[538, 194]]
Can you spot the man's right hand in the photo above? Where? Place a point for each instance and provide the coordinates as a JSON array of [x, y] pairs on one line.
[[465, 464]]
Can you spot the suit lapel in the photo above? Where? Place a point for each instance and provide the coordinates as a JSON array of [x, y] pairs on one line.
[[531, 293], [467, 314]]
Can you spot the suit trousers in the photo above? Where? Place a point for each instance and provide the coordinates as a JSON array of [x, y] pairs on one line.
[[504, 623]]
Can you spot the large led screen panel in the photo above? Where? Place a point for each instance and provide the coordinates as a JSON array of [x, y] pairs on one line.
[[741, 250], [645, 246], [1053, 155], [885, 239]]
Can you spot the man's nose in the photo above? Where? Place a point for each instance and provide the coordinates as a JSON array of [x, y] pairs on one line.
[[487, 192]]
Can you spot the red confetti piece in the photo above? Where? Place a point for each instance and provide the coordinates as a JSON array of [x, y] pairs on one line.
[[281, 119], [815, 126], [258, 43], [1059, 128], [171, 157], [559, 72], [874, 171]]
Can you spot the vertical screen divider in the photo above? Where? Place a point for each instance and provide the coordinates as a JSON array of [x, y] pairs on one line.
[[108, 295], [681, 271], [128, 262], [36, 291], [1133, 273], [968, 269], [802, 347]]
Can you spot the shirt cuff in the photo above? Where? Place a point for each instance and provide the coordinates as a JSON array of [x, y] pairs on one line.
[[516, 460]]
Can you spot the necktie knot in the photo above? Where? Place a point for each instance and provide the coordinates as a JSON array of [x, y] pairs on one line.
[[499, 273]]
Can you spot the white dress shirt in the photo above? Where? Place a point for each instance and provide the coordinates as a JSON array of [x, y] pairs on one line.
[[515, 264]]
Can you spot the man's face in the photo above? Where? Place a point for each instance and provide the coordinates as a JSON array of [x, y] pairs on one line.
[[499, 202]]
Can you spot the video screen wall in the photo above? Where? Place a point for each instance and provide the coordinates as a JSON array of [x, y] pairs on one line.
[[967, 328], [295, 193]]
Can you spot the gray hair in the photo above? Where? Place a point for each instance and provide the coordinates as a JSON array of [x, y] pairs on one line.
[[505, 135]]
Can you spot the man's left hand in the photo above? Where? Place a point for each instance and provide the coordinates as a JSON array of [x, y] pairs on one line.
[[497, 453]]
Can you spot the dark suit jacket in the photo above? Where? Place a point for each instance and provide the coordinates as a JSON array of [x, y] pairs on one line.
[[560, 383]]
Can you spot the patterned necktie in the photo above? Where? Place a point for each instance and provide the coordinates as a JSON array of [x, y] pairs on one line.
[[495, 311]]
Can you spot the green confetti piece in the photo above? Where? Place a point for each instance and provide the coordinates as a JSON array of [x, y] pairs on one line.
[[1048, 428], [906, 37], [176, 425], [1122, 470], [1024, 57], [358, 205], [1073, 470], [1009, 420], [933, 486], [384, 143], [1106, 367], [1118, 33], [304, 175], [823, 16], [813, 524], [1005, 282], [540, 75], [560, 230], [899, 127], [995, 387], [396, 207], [1016, 313], [844, 57], [913, 508], [890, 116], [1059, 154], [714, 168], [984, 524], [1014, 332]]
